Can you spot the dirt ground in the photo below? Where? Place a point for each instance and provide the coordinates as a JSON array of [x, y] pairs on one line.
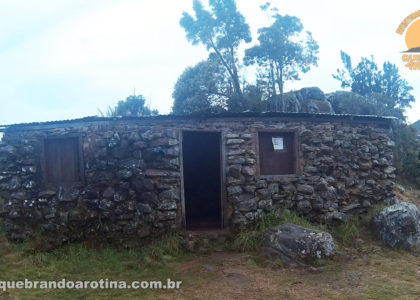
[[366, 272]]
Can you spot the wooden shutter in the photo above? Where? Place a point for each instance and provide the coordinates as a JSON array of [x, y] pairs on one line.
[[62, 161], [276, 162]]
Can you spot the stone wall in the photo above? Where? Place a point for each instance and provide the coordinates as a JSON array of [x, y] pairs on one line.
[[132, 185]]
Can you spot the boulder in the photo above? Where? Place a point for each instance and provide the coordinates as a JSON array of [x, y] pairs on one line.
[[399, 225], [298, 246]]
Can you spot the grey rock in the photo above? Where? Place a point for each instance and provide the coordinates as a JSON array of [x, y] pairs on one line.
[[105, 204], [298, 246], [124, 174], [144, 208], [350, 207], [169, 195], [67, 194], [322, 185], [248, 171], [166, 215], [305, 189], [108, 193], [235, 141], [265, 205], [120, 196], [304, 206], [233, 190], [273, 188], [389, 170], [399, 225], [261, 184], [249, 205], [289, 188], [234, 171], [264, 193], [167, 205], [336, 216], [150, 198]]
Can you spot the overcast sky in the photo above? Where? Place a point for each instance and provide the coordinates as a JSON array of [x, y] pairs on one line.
[[62, 59]]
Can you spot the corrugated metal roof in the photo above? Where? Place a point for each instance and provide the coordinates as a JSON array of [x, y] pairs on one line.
[[280, 115]]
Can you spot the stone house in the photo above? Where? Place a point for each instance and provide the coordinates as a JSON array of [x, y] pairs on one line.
[[138, 177]]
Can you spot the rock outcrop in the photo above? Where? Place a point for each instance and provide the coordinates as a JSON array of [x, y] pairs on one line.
[[308, 100]]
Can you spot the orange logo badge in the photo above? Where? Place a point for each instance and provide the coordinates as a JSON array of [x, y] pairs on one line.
[[411, 27]]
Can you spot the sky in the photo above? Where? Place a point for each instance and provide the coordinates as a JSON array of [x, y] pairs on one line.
[[62, 59]]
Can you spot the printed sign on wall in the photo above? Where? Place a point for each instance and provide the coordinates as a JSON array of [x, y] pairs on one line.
[[278, 143]]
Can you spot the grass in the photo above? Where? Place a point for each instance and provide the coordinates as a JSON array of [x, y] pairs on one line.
[[252, 239], [360, 270], [345, 234], [77, 262]]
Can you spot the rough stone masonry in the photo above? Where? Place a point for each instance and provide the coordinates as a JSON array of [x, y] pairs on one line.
[[131, 185]]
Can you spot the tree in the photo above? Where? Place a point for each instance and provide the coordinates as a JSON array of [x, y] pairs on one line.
[[201, 88], [384, 93], [132, 106], [282, 53], [221, 30], [204, 88], [366, 79]]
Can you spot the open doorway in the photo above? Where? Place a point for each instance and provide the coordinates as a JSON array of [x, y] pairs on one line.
[[202, 179]]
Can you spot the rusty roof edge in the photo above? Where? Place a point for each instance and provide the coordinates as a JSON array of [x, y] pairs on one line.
[[90, 119]]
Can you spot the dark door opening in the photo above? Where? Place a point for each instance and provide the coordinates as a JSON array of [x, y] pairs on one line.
[[202, 179]]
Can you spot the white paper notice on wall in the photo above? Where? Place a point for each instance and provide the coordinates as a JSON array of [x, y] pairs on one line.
[[277, 143]]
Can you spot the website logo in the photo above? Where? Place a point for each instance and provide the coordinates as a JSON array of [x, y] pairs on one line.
[[411, 27]]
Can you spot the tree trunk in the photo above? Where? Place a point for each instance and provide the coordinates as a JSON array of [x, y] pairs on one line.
[[279, 71], [272, 83], [281, 90], [235, 77], [233, 72]]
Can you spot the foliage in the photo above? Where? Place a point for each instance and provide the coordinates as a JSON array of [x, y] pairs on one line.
[[282, 53], [417, 126], [407, 153], [204, 88], [221, 30], [132, 106], [385, 94], [201, 88], [367, 79]]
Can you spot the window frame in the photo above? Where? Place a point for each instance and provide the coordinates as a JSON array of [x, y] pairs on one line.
[[46, 183], [295, 153]]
